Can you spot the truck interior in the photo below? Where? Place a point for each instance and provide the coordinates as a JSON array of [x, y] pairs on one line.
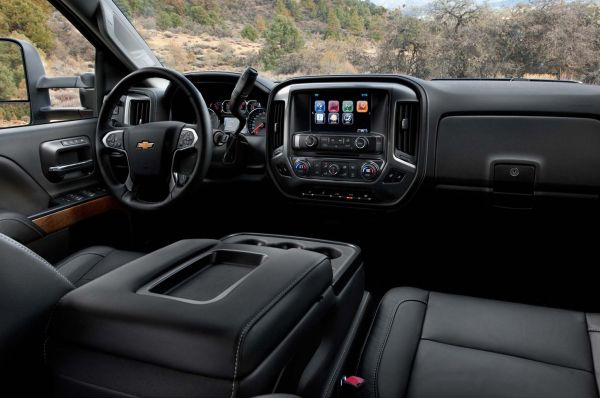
[[224, 234]]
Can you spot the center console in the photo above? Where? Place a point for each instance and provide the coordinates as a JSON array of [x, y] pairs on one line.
[[246, 315], [351, 140]]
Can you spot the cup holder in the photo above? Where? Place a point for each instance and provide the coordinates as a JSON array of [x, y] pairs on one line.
[[286, 245], [332, 254], [252, 242]]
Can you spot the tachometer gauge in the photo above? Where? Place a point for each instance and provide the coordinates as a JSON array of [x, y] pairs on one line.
[[253, 104], [257, 122], [215, 122]]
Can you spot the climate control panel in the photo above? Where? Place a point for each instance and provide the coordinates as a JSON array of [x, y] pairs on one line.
[[337, 169]]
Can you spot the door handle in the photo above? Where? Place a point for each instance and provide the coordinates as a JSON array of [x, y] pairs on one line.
[[69, 168]]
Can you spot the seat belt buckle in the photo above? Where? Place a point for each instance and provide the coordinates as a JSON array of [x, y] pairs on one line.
[[353, 382]]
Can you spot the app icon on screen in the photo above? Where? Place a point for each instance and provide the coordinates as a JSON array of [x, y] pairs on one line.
[[320, 106], [334, 106], [348, 106], [334, 118], [362, 106], [320, 118], [348, 118]]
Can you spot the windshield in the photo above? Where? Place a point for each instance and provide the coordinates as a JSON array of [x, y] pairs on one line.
[[542, 39]]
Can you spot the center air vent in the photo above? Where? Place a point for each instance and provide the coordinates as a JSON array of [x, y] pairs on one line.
[[407, 128], [276, 124], [139, 111]]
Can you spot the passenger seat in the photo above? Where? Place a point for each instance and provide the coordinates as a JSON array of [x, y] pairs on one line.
[[433, 345]]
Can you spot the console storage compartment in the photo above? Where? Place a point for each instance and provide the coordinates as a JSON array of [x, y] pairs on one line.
[[206, 318]]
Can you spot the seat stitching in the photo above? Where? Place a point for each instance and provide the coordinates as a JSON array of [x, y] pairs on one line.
[[508, 355], [35, 255], [383, 345], [585, 315], [89, 269], [412, 363], [256, 317], [68, 260]]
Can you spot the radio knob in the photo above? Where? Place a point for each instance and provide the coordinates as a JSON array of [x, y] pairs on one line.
[[302, 168], [369, 170], [334, 169], [311, 141], [361, 143]]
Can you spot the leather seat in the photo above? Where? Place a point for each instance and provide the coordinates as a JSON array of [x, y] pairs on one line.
[[88, 264], [427, 345], [30, 287]]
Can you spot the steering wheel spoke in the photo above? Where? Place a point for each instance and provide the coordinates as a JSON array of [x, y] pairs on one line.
[[114, 139]]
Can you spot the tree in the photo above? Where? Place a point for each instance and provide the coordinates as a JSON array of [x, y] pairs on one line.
[[355, 22], [28, 17], [281, 37], [333, 25]]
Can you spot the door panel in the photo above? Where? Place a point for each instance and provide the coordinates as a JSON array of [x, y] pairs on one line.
[[24, 186]]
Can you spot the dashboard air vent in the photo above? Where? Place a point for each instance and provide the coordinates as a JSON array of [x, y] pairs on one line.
[[276, 122], [407, 130], [139, 111]]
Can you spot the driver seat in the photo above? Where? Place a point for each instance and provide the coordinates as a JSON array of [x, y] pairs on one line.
[[30, 287]]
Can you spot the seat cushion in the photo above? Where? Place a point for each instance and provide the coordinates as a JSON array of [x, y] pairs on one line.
[[427, 345], [88, 264]]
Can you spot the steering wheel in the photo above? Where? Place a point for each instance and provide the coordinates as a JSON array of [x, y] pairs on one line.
[[166, 159]]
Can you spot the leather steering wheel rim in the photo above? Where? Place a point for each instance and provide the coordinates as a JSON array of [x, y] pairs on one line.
[[202, 144]]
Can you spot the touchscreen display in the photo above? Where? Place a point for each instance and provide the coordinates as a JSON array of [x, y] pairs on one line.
[[341, 111]]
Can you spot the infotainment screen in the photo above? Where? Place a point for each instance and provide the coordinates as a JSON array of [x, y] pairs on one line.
[[341, 111]]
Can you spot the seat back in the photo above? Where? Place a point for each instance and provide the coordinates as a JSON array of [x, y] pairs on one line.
[[29, 289]]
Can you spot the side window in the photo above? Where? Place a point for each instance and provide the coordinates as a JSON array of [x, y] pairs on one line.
[[46, 66]]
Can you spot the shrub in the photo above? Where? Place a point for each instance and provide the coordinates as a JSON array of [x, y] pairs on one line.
[[249, 32]]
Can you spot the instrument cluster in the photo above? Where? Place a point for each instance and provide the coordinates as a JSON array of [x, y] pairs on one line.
[[222, 119]]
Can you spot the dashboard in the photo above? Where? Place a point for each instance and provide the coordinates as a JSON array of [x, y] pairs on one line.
[[379, 140]]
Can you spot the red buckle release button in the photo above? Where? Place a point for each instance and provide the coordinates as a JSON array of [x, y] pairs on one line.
[[353, 381]]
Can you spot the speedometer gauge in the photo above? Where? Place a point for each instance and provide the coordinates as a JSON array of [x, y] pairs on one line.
[[257, 122]]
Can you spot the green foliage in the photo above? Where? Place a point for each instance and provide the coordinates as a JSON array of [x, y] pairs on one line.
[[249, 32], [12, 72], [281, 37], [200, 15], [14, 114], [27, 18], [333, 25], [168, 20]]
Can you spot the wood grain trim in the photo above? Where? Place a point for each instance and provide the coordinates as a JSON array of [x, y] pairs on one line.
[[72, 215]]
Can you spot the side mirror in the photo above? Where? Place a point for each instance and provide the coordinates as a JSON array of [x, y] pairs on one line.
[[29, 87]]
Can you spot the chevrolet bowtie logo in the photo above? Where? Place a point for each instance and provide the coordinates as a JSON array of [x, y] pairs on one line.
[[145, 145]]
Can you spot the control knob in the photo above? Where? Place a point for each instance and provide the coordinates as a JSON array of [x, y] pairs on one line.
[[302, 168], [361, 143], [369, 170], [311, 141], [334, 169]]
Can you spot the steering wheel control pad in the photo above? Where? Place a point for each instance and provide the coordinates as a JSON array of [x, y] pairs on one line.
[[187, 139], [114, 140]]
